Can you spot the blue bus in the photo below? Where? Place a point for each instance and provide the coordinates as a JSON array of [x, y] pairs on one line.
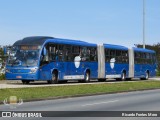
[[52, 59], [59, 60]]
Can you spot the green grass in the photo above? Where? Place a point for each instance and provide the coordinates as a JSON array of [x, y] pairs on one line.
[[60, 91]]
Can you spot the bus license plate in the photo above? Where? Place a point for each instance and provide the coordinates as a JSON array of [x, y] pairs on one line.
[[18, 76]]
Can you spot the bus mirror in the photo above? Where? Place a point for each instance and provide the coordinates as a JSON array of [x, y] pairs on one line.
[[44, 51]]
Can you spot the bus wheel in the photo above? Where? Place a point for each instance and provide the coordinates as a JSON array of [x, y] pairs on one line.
[[146, 76], [123, 76], [87, 77], [54, 79]]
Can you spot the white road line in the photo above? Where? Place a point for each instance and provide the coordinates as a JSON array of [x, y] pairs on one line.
[[100, 103]]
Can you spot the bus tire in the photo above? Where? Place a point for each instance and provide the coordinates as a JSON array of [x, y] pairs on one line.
[[87, 77], [146, 76], [123, 76], [54, 79]]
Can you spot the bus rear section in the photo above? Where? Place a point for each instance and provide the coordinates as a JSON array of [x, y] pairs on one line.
[[142, 63]]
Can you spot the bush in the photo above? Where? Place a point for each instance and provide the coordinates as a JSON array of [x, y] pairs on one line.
[[2, 77]]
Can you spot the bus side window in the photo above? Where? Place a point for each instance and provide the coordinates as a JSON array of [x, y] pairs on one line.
[[93, 54], [60, 53], [53, 53], [85, 54], [107, 53], [44, 56], [118, 56], [125, 56], [112, 54], [75, 51], [137, 57], [68, 53]]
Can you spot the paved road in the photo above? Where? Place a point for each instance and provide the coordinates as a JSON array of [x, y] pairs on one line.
[[18, 84], [132, 101]]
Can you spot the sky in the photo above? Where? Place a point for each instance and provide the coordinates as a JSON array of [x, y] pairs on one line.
[[97, 21]]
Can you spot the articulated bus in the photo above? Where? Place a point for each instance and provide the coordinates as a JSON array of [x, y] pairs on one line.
[[59, 60]]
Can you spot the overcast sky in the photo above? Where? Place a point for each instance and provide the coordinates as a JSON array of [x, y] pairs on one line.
[[97, 21]]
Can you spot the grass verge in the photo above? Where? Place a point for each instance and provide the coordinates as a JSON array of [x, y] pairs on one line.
[[76, 90]]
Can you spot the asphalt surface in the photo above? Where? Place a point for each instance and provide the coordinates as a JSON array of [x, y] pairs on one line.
[[130, 101], [18, 84]]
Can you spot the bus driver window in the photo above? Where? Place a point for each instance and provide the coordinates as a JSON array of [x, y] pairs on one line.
[[44, 56]]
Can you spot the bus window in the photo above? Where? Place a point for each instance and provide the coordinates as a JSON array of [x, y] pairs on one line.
[[107, 53], [93, 54], [118, 56], [124, 56], [85, 54], [53, 53], [45, 56], [75, 51], [60, 53], [137, 57], [112, 53], [67, 53]]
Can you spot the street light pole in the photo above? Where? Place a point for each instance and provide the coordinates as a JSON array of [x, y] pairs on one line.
[[144, 24]]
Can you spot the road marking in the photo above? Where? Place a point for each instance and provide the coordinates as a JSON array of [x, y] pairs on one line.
[[100, 103]]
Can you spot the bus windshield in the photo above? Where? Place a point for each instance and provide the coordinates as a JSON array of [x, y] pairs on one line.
[[24, 56]]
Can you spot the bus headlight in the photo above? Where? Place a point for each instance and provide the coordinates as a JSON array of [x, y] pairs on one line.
[[33, 70]]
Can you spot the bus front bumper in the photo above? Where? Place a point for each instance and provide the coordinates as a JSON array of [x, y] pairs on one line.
[[12, 76]]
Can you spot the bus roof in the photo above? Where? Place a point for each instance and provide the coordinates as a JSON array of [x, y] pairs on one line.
[[41, 40], [143, 50], [117, 47], [71, 42], [36, 40]]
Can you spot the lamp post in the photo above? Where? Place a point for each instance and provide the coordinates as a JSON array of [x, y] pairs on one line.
[[144, 24]]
